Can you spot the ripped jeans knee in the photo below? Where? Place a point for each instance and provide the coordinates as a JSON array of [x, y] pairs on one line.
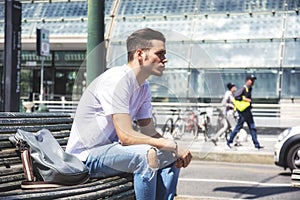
[[152, 158], [152, 162]]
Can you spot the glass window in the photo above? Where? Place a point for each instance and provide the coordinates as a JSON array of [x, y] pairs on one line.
[[238, 26], [291, 83], [291, 53], [243, 54], [292, 25], [173, 84], [211, 84]]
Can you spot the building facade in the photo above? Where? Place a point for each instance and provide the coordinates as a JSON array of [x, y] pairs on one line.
[[209, 43]]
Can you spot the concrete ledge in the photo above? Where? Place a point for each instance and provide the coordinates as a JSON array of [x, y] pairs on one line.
[[207, 151]]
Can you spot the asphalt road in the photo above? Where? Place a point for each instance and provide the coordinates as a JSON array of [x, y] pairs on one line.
[[223, 180]]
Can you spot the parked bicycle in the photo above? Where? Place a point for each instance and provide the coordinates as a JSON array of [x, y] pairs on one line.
[[154, 119], [174, 128]]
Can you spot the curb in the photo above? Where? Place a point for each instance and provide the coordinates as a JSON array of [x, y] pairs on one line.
[[246, 153], [237, 157], [188, 197]]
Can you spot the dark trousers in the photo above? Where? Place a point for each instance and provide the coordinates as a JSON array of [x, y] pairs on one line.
[[245, 116]]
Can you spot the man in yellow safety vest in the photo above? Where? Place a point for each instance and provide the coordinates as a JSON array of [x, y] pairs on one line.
[[243, 105]]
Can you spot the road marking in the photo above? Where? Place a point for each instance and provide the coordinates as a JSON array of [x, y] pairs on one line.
[[270, 139], [236, 181]]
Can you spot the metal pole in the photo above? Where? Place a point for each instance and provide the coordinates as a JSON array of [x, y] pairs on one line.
[[96, 51], [10, 94], [42, 79], [282, 49]]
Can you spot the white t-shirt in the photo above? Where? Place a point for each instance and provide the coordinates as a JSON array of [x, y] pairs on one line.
[[115, 91], [227, 102]]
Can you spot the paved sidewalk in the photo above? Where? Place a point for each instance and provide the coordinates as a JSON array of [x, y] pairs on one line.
[[246, 153]]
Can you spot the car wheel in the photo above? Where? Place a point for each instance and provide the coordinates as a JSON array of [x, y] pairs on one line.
[[293, 157]]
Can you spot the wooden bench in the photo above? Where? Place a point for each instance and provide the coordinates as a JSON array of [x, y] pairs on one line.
[[11, 172]]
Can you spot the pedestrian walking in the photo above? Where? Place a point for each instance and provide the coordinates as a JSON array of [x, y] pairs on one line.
[[243, 105], [226, 118], [228, 103]]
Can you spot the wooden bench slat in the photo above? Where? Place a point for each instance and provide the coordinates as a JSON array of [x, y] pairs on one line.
[[33, 115], [62, 142], [9, 153], [97, 187], [6, 144], [13, 129], [12, 178], [127, 195], [16, 169], [7, 162], [8, 149], [15, 185], [60, 134], [116, 191], [35, 121]]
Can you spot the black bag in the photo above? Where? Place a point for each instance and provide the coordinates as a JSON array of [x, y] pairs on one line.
[[45, 163]]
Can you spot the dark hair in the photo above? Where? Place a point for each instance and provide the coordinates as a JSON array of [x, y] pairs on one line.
[[141, 39], [230, 85]]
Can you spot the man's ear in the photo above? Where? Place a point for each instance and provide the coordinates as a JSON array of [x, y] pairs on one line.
[[139, 54]]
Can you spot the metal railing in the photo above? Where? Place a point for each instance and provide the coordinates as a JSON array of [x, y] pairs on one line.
[[265, 114], [57, 106]]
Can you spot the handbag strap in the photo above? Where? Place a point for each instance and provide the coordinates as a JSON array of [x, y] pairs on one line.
[[26, 160]]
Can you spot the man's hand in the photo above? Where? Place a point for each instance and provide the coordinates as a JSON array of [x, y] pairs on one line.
[[184, 159], [183, 155]]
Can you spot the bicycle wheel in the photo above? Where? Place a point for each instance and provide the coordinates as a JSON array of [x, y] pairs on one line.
[[178, 131], [167, 128]]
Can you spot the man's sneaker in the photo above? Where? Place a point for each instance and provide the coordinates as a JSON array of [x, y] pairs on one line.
[[259, 147], [214, 141], [238, 144], [228, 146]]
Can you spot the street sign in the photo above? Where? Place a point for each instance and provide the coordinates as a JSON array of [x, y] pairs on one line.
[[42, 42], [42, 49]]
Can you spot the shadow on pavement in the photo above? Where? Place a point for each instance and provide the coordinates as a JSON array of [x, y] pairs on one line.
[[253, 192]]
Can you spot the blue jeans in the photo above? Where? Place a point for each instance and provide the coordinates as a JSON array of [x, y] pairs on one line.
[[149, 184], [245, 116]]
